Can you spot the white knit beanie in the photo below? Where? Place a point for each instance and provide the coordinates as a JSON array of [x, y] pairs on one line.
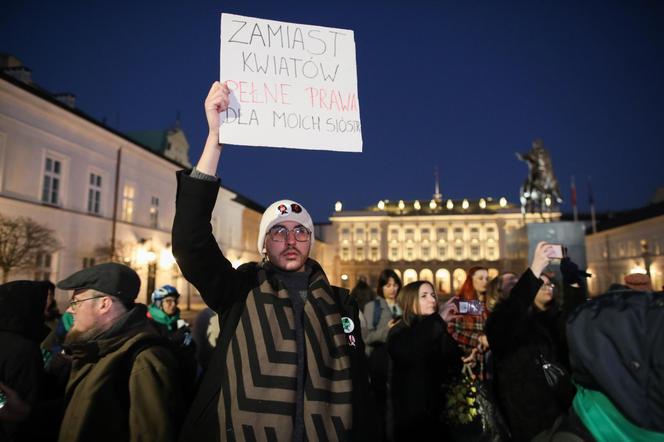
[[283, 210]]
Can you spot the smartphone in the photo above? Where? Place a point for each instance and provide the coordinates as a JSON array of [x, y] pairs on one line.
[[473, 308], [558, 251]]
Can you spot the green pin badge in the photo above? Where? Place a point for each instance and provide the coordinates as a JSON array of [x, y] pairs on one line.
[[347, 324]]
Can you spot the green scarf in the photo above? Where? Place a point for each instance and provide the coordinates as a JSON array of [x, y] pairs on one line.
[[605, 422], [160, 316], [67, 320]]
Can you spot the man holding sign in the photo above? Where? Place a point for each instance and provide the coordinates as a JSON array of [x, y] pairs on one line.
[[289, 364]]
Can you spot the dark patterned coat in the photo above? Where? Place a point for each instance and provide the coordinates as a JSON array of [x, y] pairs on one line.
[[257, 337]]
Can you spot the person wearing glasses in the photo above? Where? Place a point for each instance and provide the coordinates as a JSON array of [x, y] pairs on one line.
[[123, 384], [289, 363], [526, 332]]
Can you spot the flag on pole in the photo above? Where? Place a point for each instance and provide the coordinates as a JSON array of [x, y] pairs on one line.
[[591, 200], [573, 198]]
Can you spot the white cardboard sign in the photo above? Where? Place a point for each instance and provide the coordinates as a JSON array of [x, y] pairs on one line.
[[292, 85]]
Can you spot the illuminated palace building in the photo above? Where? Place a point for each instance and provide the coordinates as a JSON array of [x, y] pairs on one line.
[[435, 240]]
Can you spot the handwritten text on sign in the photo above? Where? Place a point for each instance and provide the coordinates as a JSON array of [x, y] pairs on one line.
[[291, 85]]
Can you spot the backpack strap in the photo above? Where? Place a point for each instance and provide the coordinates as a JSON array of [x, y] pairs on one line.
[[376, 313]]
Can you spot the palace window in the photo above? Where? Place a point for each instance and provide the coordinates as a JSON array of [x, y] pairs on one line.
[[373, 234], [474, 233], [94, 194], [394, 253], [410, 235], [154, 212], [359, 253], [345, 254], [475, 251], [52, 180], [441, 234], [458, 233], [374, 254], [128, 195], [426, 234], [458, 252], [43, 266], [442, 252], [426, 251], [409, 254]]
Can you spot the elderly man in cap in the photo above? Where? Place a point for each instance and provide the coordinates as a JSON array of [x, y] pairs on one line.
[[124, 382], [289, 364]]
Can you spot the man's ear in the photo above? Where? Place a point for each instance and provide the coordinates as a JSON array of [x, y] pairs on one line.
[[106, 304]]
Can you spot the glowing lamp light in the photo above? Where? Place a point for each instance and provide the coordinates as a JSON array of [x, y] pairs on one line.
[[638, 269], [465, 204], [344, 277], [432, 204], [144, 256], [381, 205], [166, 259], [450, 204], [402, 205], [338, 206], [547, 201], [482, 203], [503, 202], [417, 205]]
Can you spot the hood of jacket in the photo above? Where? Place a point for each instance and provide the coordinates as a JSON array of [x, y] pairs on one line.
[[22, 306]]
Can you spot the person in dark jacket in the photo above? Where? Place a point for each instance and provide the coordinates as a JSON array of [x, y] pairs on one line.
[[22, 329], [526, 332], [423, 355], [289, 364], [125, 381]]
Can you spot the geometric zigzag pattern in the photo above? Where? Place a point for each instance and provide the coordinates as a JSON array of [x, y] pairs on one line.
[[258, 403]]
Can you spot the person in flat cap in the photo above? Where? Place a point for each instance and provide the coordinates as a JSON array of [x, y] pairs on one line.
[[289, 364], [124, 382]]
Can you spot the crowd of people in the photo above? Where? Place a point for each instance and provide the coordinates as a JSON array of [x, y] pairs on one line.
[[280, 354]]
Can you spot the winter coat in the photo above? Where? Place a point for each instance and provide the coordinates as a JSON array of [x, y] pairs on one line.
[[109, 397], [519, 335], [424, 356], [235, 295], [21, 330], [377, 330]]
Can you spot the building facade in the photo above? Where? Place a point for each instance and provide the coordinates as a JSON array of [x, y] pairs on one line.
[[629, 242], [434, 240], [101, 192]]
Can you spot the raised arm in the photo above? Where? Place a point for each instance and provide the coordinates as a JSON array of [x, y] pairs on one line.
[[502, 323], [194, 246], [216, 102]]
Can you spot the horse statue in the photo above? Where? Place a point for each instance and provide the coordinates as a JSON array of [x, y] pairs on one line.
[[540, 191]]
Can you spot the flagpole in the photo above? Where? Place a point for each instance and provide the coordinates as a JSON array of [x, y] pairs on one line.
[[592, 206], [575, 209]]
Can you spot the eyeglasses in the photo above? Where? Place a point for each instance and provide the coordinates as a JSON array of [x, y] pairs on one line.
[[74, 304], [548, 286], [280, 233]]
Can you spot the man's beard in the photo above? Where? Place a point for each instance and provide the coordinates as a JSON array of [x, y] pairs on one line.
[[80, 337]]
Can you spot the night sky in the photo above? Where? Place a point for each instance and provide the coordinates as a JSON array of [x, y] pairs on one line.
[[462, 85]]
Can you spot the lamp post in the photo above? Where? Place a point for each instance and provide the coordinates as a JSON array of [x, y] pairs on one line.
[[646, 255]]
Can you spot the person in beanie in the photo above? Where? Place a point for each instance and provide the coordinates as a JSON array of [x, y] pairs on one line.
[[289, 364], [124, 382]]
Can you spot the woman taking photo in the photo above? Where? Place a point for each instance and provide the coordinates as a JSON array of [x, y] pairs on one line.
[[466, 323], [424, 356], [527, 336]]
